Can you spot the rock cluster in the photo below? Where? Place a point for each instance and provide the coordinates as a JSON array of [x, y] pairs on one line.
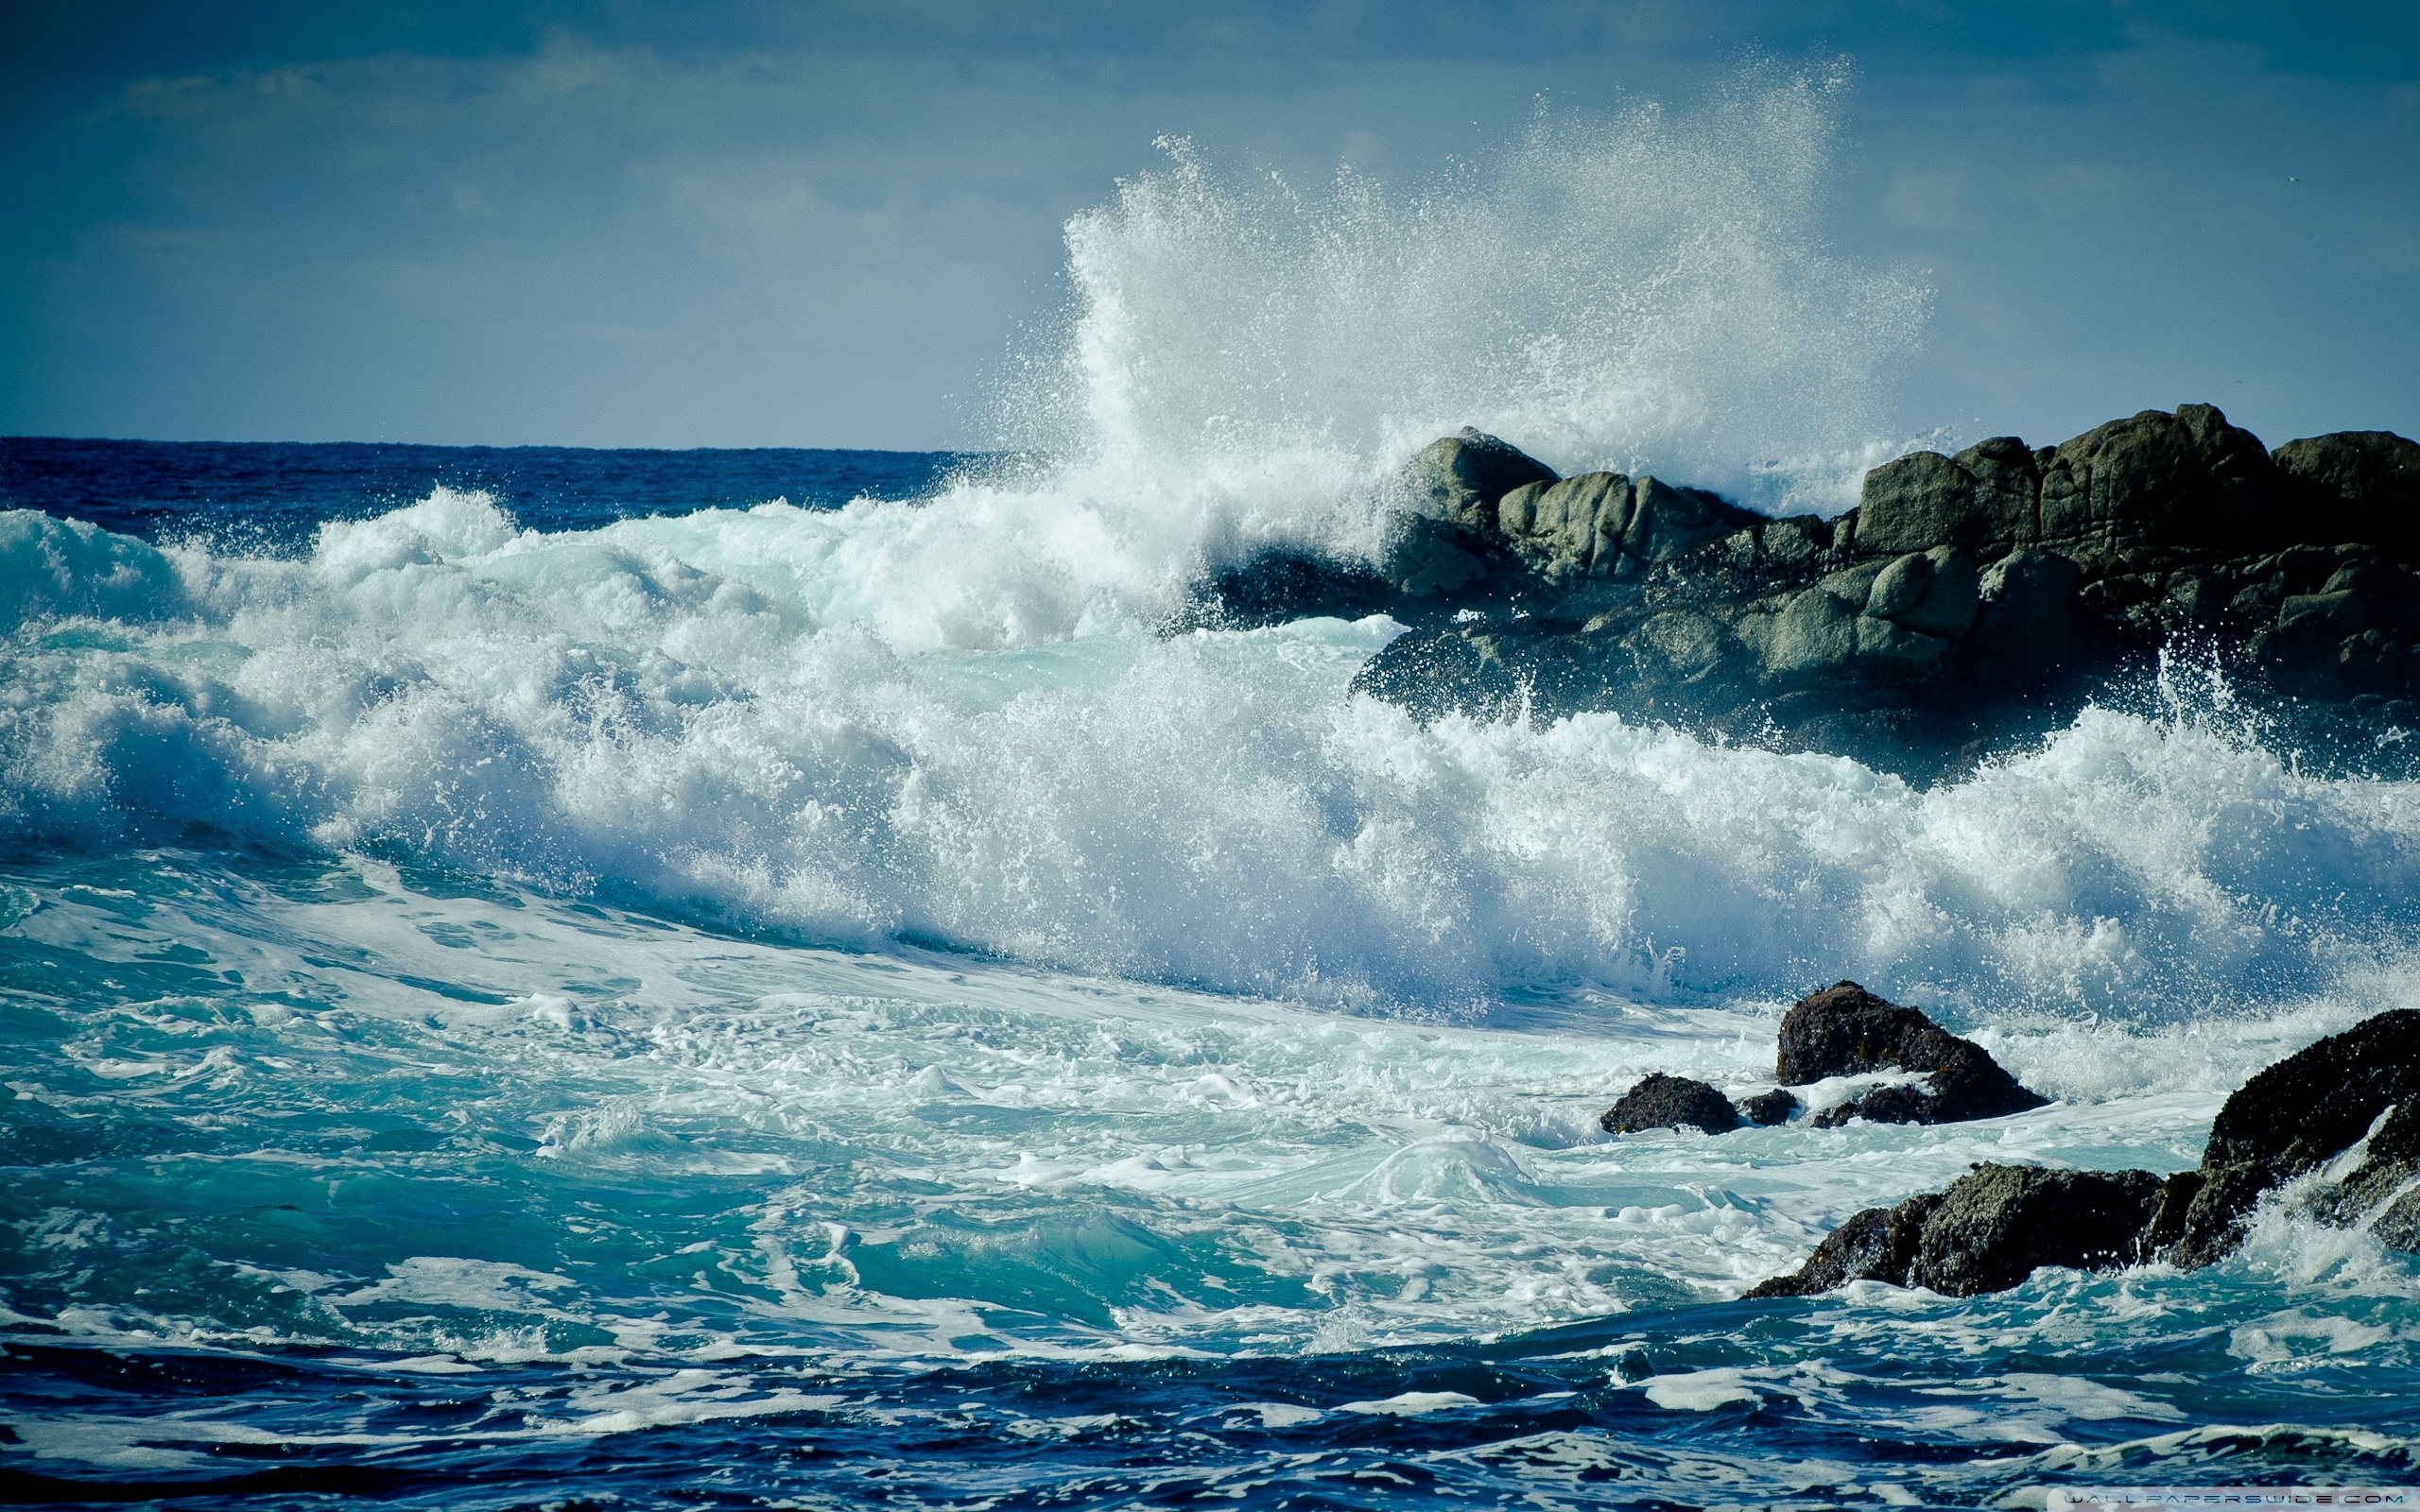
[[1953, 599], [1842, 1031], [1992, 1227]]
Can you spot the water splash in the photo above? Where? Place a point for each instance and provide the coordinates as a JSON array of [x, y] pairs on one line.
[[1644, 292]]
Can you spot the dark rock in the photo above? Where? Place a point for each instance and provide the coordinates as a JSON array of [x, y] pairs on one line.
[[1878, 1244], [1846, 1031], [1280, 587], [1990, 1230], [1998, 1224], [1670, 1101], [2365, 484], [2028, 609], [2187, 480], [2294, 1117], [1769, 1108]]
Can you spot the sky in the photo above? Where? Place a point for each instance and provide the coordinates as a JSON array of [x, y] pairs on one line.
[[739, 223]]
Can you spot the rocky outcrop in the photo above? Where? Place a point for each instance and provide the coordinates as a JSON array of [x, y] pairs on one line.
[[1965, 599], [1989, 1232], [1846, 1031], [1661, 1101], [1991, 1228], [2298, 1115]]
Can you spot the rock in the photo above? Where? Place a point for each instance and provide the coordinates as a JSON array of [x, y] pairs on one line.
[[1932, 592], [1878, 1244], [2025, 613], [1981, 500], [1571, 531], [2293, 1117], [1846, 1031], [1669, 522], [1670, 1101], [1990, 1230], [1459, 479], [1427, 558], [1998, 1224], [2187, 480], [2363, 485], [1769, 1108], [1278, 587]]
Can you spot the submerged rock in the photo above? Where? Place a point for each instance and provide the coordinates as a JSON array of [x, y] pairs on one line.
[[1990, 1230], [1661, 1101], [1846, 1031]]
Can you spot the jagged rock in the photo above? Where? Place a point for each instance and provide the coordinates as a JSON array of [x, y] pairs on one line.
[[1990, 1230], [2293, 1117], [1846, 1031], [1933, 592], [1769, 1108], [1602, 526], [1569, 531], [1660, 1101]]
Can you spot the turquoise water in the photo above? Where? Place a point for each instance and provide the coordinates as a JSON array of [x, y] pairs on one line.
[[498, 1016]]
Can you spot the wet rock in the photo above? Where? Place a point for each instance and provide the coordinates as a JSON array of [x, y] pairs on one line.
[[1460, 478], [2294, 1117], [1990, 1230], [1279, 587], [1660, 1101], [1571, 531], [1846, 1031], [2026, 612], [1998, 1224], [1878, 1244], [1769, 1108]]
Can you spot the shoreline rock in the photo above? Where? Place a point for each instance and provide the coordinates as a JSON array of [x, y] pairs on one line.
[[1993, 1228], [1964, 600]]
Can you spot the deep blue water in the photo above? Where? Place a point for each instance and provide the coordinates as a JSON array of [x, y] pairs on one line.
[[564, 988]]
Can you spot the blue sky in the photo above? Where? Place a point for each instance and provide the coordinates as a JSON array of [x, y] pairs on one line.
[[758, 224]]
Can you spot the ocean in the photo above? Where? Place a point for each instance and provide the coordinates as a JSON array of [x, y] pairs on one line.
[[536, 977]]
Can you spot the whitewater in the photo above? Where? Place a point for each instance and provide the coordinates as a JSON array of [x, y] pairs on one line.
[[807, 1004]]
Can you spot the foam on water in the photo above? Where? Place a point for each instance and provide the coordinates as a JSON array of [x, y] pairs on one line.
[[742, 717], [844, 976]]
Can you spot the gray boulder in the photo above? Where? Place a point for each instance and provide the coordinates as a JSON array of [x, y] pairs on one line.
[[1460, 478], [1980, 501]]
